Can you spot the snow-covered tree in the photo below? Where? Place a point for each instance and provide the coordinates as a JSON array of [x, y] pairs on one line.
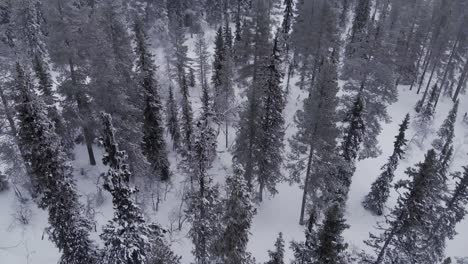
[[330, 247], [51, 176], [153, 144], [127, 237], [314, 145], [237, 218], [277, 255], [172, 121], [411, 222], [375, 200], [271, 134]]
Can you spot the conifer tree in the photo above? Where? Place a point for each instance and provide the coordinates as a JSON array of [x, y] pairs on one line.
[[237, 219], [453, 212], [304, 251], [330, 248], [186, 120], [153, 144], [415, 214], [201, 50], [277, 255], [349, 149], [173, 119], [316, 136], [271, 132], [360, 24], [443, 144], [45, 86], [52, 178], [219, 63], [191, 77], [127, 237], [380, 190], [204, 206]]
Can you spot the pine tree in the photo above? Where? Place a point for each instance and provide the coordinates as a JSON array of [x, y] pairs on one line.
[[173, 119], [237, 219], [127, 237], [52, 178], [219, 64], [191, 77], [271, 124], [153, 144], [45, 86], [204, 206], [304, 252], [186, 120], [201, 50], [352, 140], [360, 24], [68, 48], [443, 144], [286, 24], [277, 256], [380, 190], [415, 214], [330, 248], [315, 141]]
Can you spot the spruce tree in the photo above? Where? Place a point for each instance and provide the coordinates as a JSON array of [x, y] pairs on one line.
[[153, 144], [203, 206], [350, 146], [201, 50], [443, 144], [304, 252], [286, 24], [277, 255], [186, 120], [172, 121], [236, 220], [52, 178], [314, 144], [330, 247], [45, 86], [415, 214], [127, 237], [380, 190], [219, 64], [271, 132]]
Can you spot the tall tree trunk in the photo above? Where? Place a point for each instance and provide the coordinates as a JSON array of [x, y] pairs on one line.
[[461, 81], [425, 65], [429, 83], [447, 67], [306, 185], [88, 136]]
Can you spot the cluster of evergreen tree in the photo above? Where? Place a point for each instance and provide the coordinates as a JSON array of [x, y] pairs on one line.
[[66, 62]]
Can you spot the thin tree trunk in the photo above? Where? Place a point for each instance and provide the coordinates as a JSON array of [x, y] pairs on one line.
[[428, 83], [442, 83], [227, 133], [425, 65], [306, 185], [86, 130]]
